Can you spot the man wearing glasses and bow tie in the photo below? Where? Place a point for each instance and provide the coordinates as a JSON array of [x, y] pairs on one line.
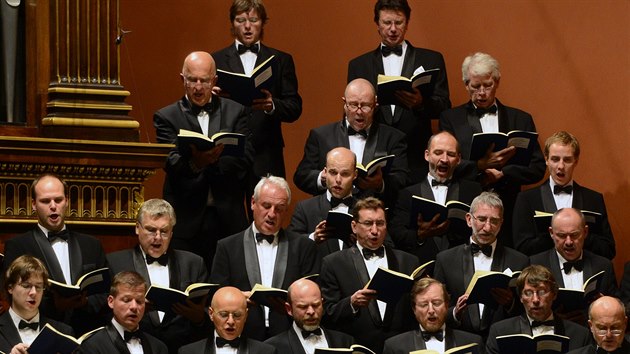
[[397, 57], [157, 262], [67, 255], [350, 307], [368, 140], [455, 267], [429, 302]]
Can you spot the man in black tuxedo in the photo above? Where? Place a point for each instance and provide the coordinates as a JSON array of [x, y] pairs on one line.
[[229, 314], [397, 57], [67, 255], [266, 254], [25, 280], [569, 262], [429, 302], [305, 305], [608, 322], [161, 265], [309, 216], [484, 113], [281, 104], [562, 154], [206, 188], [123, 334], [349, 307], [455, 267], [366, 138], [537, 289], [624, 285], [429, 237]]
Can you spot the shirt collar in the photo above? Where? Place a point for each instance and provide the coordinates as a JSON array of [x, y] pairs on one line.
[[17, 318]]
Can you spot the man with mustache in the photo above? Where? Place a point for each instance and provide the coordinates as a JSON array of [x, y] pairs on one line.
[[455, 267], [429, 237], [306, 305], [430, 303]]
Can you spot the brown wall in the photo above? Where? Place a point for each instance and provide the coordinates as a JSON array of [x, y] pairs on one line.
[[565, 62]]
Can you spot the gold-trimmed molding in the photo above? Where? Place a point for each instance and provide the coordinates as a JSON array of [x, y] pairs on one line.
[[87, 91], [76, 105], [88, 122]]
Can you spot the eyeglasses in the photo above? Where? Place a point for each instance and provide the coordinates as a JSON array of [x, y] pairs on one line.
[[29, 286], [226, 314], [604, 332], [241, 20], [369, 223], [435, 303], [484, 219], [356, 107], [482, 88], [528, 294], [192, 82], [152, 231]]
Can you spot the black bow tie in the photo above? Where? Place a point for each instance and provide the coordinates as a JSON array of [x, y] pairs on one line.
[[568, 189], [386, 51], [435, 182], [63, 234], [542, 323], [481, 111], [439, 335], [127, 336], [234, 343], [578, 265], [368, 253], [619, 350], [361, 132], [33, 325], [243, 48], [485, 249], [334, 201], [317, 332], [195, 110], [162, 260], [260, 237]]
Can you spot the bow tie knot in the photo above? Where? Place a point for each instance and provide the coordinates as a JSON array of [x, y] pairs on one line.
[[361, 132], [260, 237], [241, 49], [485, 249], [55, 235], [568, 189], [195, 110], [435, 182], [334, 201], [368, 253], [578, 265], [234, 343], [127, 335], [542, 323], [32, 325], [439, 335], [315, 332], [483, 111], [386, 51], [162, 260]]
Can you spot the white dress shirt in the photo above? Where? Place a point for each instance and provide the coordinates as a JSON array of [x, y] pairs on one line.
[[60, 247], [27, 335], [563, 200], [575, 278], [158, 275], [266, 263], [134, 345], [372, 265], [311, 342]]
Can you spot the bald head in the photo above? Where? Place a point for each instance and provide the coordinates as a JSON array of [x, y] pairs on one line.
[[199, 61], [607, 321], [359, 85], [228, 312], [305, 304], [199, 74], [360, 103], [340, 171]]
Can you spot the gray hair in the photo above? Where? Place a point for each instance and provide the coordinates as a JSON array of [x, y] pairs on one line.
[[490, 199], [480, 64], [275, 180], [156, 208]]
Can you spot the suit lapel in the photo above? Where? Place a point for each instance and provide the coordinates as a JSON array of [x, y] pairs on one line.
[[578, 197], [473, 120], [75, 258], [452, 193], [554, 263], [282, 259], [140, 266], [546, 195], [263, 54], [251, 257], [8, 330], [209, 345], [364, 277], [409, 62], [392, 263], [469, 270], [323, 206], [523, 323], [296, 345], [588, 270], [418, 341], [50, 258], [188, 116], [233, 60], [215, 123], [503, 118], [449, 339], [341, 134], [426, 190], [370, 145], [117, 341]]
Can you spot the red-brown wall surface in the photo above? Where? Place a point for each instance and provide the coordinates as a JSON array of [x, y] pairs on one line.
[[565, 62]]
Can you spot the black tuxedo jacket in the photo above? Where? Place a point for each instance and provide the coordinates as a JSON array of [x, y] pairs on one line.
[[249, 346], [416, 123], [266, 128], [592, 349], [529, 241], [9, 335], [382, 140], [624, 286], [86, 254], [187, 190], [185, 268], [236, 264], [580, 336], [343, 273], [592, 264], [288, 342], [407, 342], [406, 238], [108, 341], [455, 268]]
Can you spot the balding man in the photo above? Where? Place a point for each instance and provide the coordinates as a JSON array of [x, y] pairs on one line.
[[368, 140], [306, 305], [607, 321], [228, 312], [206, 189]]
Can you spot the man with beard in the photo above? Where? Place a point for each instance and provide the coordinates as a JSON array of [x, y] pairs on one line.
[[607, 321], [430, 303], [305, 305], [429, 237], [455, 267]]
